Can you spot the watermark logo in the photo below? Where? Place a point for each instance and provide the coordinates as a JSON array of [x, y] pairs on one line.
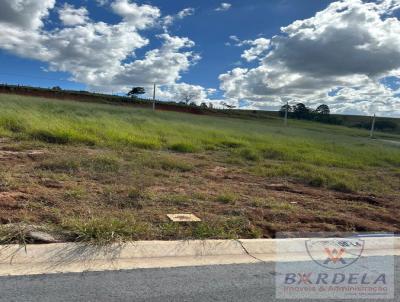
[[335, 253], [329, 266]]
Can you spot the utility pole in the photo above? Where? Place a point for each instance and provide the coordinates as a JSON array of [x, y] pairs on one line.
[[154, 97], [286, 113], [372, 127]]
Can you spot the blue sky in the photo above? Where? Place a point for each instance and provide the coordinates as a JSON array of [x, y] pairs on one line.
[[206, 48], [209, 29]]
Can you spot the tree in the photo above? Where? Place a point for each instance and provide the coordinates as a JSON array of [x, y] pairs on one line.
[[136, 91], [301, 111], [188, 95], [282, 111], [203, 105], [323, 109], [227, 106]]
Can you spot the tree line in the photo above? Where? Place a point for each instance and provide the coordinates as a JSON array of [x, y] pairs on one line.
[[300, 111]]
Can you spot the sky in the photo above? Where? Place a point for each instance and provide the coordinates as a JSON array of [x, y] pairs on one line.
[[253, 54]]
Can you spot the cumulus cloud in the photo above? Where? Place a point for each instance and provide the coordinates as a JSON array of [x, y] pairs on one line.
[[139, 16], [224, 6], [178, 92], [25, 14], [259, 47], [388, 6], [161, 66], [349, 44], [70, 16], [98, 54]]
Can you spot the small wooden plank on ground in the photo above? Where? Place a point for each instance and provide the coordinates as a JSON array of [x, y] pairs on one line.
[[183, 217]]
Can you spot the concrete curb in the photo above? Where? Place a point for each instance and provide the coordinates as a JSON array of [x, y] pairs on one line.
[[74, 257]]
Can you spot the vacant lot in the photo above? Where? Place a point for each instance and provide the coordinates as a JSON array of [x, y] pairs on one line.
[[93, 172]]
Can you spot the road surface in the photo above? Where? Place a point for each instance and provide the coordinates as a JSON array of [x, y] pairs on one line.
[[247, 282]]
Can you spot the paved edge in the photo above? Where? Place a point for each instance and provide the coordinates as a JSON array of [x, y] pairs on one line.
[[74, 257]]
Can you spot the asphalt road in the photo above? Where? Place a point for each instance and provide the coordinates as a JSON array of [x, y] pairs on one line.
[[249, 282]]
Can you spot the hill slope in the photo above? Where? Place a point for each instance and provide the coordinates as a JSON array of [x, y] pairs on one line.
[[102, 172]]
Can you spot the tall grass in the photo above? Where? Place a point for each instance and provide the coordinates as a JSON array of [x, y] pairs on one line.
[[68, 122]]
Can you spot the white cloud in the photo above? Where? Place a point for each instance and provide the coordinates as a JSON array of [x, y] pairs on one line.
[[179, 91], [169, 19], [161, 66], [259, 46], [234, 38], [186, 12], [349, 44], [388, 6], [70, 16], [139, 16], [25, 14], [97, 54], [102, 2], [224, 6]]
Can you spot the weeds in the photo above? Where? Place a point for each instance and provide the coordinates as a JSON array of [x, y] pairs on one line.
[[136, 157], [61, 122], [106, 230], [215, 228], [183, 147], [169, 164], [72, 163], [227, 198]]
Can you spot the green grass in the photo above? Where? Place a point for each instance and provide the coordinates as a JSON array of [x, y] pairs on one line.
[[105, 230], [317, 154], [226, 198]]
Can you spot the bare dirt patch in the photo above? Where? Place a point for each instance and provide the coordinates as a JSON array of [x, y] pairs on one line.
[[89, 187]]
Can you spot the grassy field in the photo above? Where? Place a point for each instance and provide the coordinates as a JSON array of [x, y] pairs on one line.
[[101, 172]]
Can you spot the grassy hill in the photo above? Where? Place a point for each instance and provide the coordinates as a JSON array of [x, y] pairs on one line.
[[101, 172], [355, 121]]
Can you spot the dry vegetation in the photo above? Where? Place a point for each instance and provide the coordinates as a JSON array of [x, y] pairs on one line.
[[102, 173]]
